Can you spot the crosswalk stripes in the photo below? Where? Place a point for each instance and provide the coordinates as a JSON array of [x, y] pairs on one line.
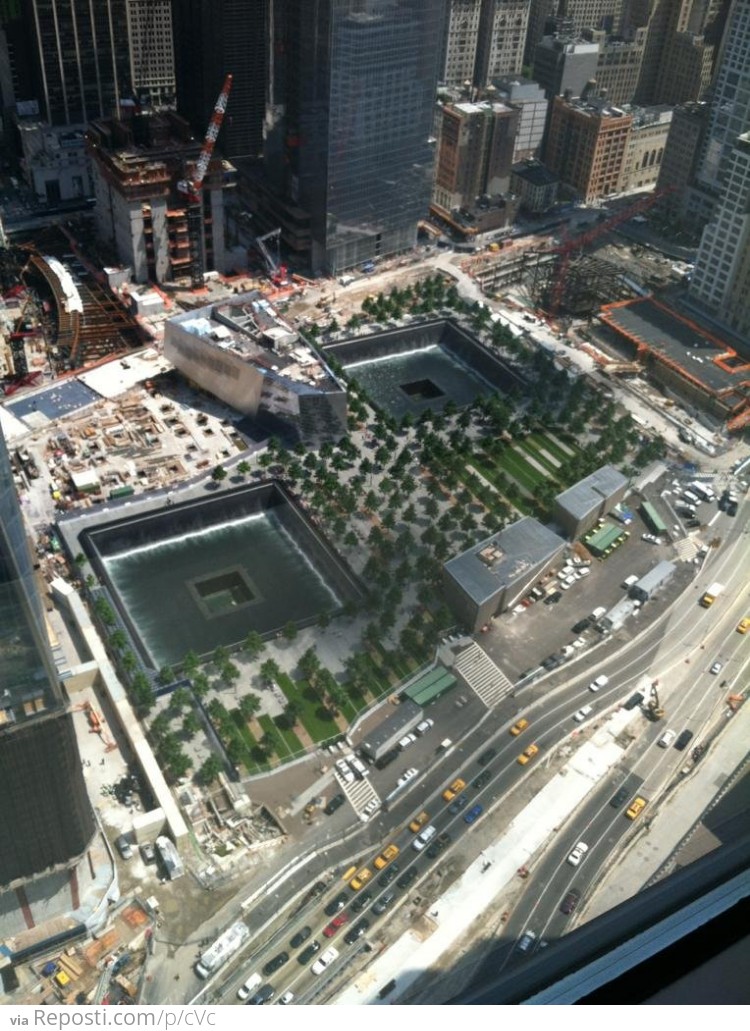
[[687, 548], [480, 673], [358, 794]]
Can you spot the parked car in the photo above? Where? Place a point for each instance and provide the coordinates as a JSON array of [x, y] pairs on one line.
[[325, 961], [406, 740], [407, 878], [683, 740], [601, 681], [335, 803], [570, 901], [578, 853], [361, 901], [383, 903], [473, 814], [262, 996], [300, 937], [388, 875], [124, 847], [356, 932], [527, 754], [619, 797], [442, 841], [148, 852], [275, 964], [335, 925], [336, 904], [667, 738], [307, 954], [526, 941]]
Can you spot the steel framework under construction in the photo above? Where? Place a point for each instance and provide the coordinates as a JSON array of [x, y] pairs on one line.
[[588, 283]]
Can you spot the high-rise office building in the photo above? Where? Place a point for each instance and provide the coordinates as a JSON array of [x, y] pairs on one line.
[[45, 814], [86, 59], [348, 125], [562, 64], [475, 154], [214, 38], [729, 116], [721, 278], [483, 39], [502, 39]]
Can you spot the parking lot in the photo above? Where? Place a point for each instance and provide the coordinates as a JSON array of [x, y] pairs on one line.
[[518, 641]]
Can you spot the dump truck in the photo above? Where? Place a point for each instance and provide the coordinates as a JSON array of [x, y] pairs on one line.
[[710, 596]]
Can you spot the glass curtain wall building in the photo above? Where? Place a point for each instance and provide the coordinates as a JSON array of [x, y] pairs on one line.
[[46, 820], [349, 115]]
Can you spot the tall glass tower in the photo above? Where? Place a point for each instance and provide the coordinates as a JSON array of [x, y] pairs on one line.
[[349, 116], [46, 820]]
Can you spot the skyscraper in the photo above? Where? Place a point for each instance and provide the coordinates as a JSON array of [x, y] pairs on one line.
[[721, 278], [348, 123], [45, 813], [88, 57], [214, 38]]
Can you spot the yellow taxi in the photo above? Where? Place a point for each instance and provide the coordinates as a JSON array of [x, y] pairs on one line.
[[360, 879], [527, 754], [418, 822], [635, 808], [744, 625], [454, 789], [518, 728], [386, 856]]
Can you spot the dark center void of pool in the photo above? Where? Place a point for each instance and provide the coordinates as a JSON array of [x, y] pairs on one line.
[[414, 368], [203, 574], [421, 390]]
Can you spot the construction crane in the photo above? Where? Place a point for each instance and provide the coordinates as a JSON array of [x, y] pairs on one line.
[[277, 272], [572, 245], [652, 707], [191, 187]]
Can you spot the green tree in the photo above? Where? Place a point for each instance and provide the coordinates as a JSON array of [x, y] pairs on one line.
[[254, 644], [141, 693], [201, 685], [230, 672], [249, 705], [270, 671], [219, 474], [118, 639], [180, 699], [243, 468], [210, 769], [190, 664], [165, 676], [128, 661], [191, 724], [290, 630], [105, 612], [220, 656]]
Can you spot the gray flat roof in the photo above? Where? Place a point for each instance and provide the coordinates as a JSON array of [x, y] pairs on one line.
[[504, 558], [587, 495], [687, 344]]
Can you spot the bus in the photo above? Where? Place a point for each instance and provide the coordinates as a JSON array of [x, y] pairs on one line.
[[225, 946], [704, 490]]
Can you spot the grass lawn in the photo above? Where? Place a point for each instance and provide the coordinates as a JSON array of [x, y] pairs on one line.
[[242, 728], [318, 729], [280, 746], [511, 462], [549, 443], [291, 740], [533, 449]]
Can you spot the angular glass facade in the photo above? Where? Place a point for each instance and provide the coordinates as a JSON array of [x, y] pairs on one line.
[[349, 116], [46, 820]]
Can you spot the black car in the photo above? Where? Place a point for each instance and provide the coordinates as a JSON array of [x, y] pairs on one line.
[[383, 903], [317, 889], [570, 901], [361, 901], [459, 803], [275, 964], [482, 780], [441, 841], [262, 996], [388, 875], [356, 932], [387, 759], [581, 625], [553, 599], [336, 802], [307, 954], [336, 905], [407, 878], [487, 756], [300, 937], [633, 701], [683, 740], [619, 797]]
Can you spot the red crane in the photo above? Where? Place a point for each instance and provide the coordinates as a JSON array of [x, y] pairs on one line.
[[191, 186], [568, 247]]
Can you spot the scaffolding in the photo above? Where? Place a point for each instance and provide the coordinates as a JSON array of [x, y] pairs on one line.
[[588, 283]]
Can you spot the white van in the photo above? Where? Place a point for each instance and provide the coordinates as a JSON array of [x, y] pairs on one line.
[[598, 613], [253, 982], [600, 681], [667, 738], [630, 580]]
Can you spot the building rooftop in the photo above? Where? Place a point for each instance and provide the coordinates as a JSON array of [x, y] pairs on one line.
[[699, 355], [535, 173], [248, 326], [498, 562], [588, 494]]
